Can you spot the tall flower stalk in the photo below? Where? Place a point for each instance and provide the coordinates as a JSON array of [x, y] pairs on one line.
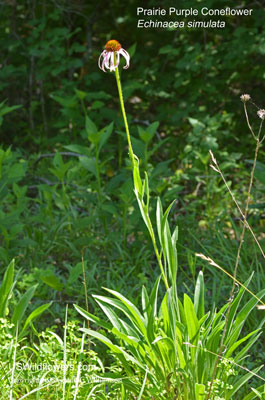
[[118, 80], [110, 59]]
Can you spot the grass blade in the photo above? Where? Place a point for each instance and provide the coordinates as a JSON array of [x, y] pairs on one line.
[[6, 288], [22, 305], [64, 351]]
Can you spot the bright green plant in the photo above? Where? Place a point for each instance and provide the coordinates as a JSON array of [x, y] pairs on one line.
[[175, 343], [18, 311]]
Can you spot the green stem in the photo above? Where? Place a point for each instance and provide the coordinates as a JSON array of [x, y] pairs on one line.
[[117, 75], [98, 173], [100, 197], [135, 165], [145, 156]]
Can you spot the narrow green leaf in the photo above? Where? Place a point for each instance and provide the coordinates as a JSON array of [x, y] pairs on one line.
[[165, 217], [152, 310], [53, 282], [252, 395], [22, 305], [168, 352], [241, 354], [136, 178], [238, 343], [57, 337], [90, 127], [258, 394], [145, 215], [6, 287], [234, 308], [175, 236], [93, 318], [130, 341], [38, 311], [89, 164], [159, 217], [240, 382], [120, 353], [145, 301], [199, 296], [165, 314], [200, 391], [241, 318], [133, 311], [77, 148], [105, 135], [5, 110], [182, 362], [191, 318], [146, 190], [143, 385], [213, 339], [192, 324], [248, 307], [171, 254], [144, 135], [112, 316]]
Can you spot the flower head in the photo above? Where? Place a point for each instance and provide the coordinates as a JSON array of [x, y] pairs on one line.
[[245, 97], [110, 57], [261, 114]]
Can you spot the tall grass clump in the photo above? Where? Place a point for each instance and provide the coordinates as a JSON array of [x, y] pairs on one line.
[[244, 214], [174, 348]]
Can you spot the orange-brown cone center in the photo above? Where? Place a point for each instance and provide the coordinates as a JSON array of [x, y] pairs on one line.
[[112, 45]]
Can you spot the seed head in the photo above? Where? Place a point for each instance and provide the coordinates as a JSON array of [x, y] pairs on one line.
[[245, 97], [261, 114], [112, 45]]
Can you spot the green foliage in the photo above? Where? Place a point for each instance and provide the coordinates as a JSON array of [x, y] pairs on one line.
[[18, 310], [173, 344], [5, 110]]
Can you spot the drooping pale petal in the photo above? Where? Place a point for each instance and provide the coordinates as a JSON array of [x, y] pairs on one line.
[[102, 63], [126, 55], [112, 65], [99, 60], [107, 60]]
